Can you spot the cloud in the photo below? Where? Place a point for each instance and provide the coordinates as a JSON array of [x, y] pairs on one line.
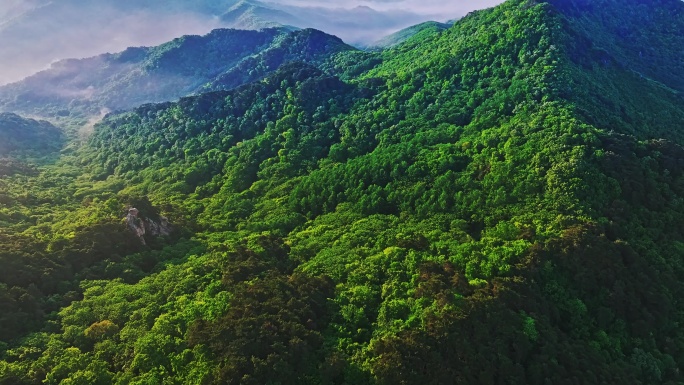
[[362, 22], [29, 43], [360, 25]]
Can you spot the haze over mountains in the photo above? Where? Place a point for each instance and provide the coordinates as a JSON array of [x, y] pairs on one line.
[[222, 59], [35, 33], [52, 30]]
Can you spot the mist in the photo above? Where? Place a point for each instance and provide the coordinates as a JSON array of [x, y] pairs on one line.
[[36, 33], [31, 38], [356, 25], [363, 22]]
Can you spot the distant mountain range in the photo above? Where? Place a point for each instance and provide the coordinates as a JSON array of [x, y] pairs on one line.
[[56, 30], [256, 15], [358, 26], [222, 59]]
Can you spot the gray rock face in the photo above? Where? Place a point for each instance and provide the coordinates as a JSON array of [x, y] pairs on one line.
[[143, 227]]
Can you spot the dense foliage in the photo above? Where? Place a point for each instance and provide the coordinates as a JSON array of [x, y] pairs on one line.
[[459, 209]]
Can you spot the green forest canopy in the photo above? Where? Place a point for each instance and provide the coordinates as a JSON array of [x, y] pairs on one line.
[[496, 203]]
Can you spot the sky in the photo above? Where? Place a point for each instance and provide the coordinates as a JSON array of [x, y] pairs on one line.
[[53, 30]]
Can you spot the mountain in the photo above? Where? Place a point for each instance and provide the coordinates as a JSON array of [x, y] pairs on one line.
[[222, 59], [498, 202], [358, 26], [69, 28], [307, 46], [399, 37], [255, 15], [618, 72], [62, 29]]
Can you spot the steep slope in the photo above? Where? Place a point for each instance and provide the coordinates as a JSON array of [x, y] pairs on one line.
[[622, 79], [455, 214], [620, 30], [223, 58]]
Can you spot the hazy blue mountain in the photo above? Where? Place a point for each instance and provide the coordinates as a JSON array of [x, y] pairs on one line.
[[69, 28], [56, 30], [255, 15], [222, 59], [307, 45], [359, 26]]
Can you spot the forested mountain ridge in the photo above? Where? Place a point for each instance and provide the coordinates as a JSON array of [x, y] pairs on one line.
[[62, 29], [626, 61], [476, 206], [223, 59]]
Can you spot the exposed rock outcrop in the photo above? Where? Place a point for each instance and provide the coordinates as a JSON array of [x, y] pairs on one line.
[[146, 227]]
